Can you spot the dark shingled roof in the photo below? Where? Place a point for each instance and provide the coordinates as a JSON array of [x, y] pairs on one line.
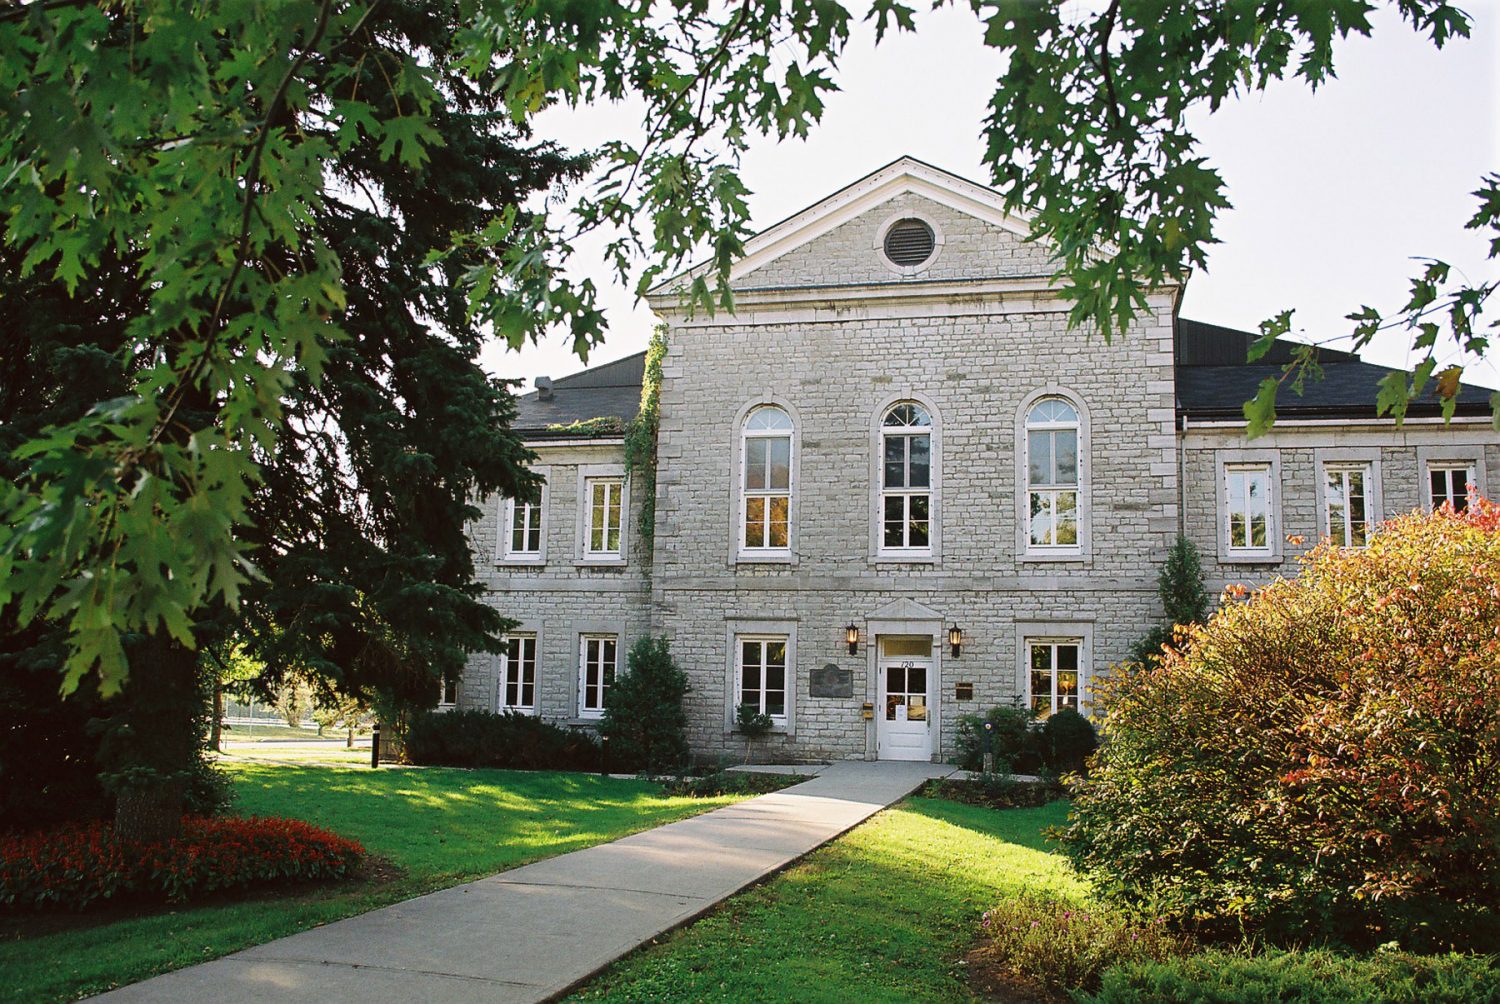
[[611, 390], [1214, 380]]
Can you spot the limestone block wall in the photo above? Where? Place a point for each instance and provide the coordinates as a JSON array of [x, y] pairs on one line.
[[562, 597], [1299, 451], [976, 366], [970, 248]]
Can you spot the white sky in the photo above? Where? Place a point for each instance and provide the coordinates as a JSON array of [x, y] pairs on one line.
[[1333, 192]]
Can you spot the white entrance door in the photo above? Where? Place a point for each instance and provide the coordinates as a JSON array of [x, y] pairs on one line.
[[903, 726]]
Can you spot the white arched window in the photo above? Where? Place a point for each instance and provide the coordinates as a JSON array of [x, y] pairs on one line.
[[766, 481], [1052, 428], [906, 479]]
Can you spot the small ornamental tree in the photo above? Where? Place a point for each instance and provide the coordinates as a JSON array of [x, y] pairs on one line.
[[752, 723], [1321, 762], [644, 722], [1183, 598]]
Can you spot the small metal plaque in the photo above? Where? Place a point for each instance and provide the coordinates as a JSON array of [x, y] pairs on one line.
[[830, 681], [964, 691]]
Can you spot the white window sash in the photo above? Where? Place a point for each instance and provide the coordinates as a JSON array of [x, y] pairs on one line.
[[762, 644], [1054, 673], [523, 519], [519, 675], [1338, 510], [1050, 493], [1246, 475], [605, 498], [766, 496], [592, 655], [905, 492], [1454, 493]]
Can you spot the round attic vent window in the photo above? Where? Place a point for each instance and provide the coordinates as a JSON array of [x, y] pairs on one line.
[[909, 243]]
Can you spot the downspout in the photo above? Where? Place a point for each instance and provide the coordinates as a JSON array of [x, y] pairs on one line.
[[1182, 478]]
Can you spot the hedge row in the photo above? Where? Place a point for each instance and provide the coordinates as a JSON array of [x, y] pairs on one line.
[[486, 739]]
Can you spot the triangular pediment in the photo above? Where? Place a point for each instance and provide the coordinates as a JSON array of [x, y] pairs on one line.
[[907, 182], [904, 609]]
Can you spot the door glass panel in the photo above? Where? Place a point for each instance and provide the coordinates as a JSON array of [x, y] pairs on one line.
[[895, 687], [916, 680], [916, 708]]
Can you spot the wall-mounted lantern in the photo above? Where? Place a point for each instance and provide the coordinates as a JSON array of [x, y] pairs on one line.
[[851, 635], [956, 639]]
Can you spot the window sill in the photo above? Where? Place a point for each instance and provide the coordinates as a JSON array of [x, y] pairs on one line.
[[600, 563], [903, 558], [1249, 558], [528, 712], [529, 561], [777, 729], [1072, 554], [584, 721], [767, 558]]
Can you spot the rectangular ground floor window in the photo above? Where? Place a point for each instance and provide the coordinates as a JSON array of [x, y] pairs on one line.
[[762, 674], [447, 692], [518, 691], [1056, 678], [599, 658]]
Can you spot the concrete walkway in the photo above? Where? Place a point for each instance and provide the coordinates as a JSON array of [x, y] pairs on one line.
[[535, 932]]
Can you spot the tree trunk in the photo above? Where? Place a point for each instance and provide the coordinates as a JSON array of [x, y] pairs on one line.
[[215, 729], [151, 742], [349, 743]]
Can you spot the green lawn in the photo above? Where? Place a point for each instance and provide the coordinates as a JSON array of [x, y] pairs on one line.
[[885, 913], [267, 731], [442, 826], [273, 752]]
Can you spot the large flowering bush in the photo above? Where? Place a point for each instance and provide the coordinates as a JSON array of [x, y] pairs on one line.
[[77, 865], [1322, 761]]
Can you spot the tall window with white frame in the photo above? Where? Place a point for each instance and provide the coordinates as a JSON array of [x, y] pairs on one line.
[[906, 480], [766, 485], [1052, 474], [447, 691], [518, 690], [525, 536], [1347, 504], [1247, 499], [606, 517], [1056, 679], [1449, 483], [762, 675], [597, 664]]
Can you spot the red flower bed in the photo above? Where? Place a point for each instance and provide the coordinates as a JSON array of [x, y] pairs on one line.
[[77, 865]]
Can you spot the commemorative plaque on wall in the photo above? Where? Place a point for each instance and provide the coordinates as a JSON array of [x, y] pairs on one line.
[[829, 680]]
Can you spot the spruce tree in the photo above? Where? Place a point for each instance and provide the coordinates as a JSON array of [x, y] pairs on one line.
[[358, 524]]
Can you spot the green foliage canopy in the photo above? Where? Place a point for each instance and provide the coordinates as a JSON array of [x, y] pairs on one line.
[[192, 144], [1089, 128], [1322, 762], [196, 143]]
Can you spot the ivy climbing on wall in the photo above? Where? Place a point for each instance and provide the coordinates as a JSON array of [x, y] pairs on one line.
[[640, 443]]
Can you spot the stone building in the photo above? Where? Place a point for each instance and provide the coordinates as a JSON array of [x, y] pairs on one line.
[[893, 487]]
